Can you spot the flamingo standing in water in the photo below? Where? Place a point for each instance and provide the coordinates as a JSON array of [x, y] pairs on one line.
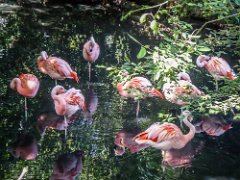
[[91, 51], [67, 102], [217, 67], [56, 68], [166, 136], [173, 92], [138, 87], [26, 85]]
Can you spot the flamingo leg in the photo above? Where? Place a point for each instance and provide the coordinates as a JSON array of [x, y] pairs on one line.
[[65, 131], [25, 109], [56, 82], [138, 108], [24, 172], [89, 71], [216, 84], [163, 165]]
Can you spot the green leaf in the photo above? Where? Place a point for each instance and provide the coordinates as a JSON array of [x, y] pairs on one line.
[[154, 25], [203, 49], [143, 18], [141, 53]]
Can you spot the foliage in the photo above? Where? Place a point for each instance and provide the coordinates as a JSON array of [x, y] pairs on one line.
[[178, 44]]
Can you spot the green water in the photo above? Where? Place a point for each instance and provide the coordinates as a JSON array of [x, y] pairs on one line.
[[62, 31]]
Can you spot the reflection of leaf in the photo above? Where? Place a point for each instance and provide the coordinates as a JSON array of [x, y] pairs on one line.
[[141, 53]]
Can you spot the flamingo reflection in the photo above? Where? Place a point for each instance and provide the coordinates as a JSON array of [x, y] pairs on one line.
[[25, 147], [182, 157], [51, 120], [125, 140], [213, 126], [91, 103], [68, 166]]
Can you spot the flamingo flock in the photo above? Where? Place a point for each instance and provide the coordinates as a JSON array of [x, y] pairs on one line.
[[166, 137]]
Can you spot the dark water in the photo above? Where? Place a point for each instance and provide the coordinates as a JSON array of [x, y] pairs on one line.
[[62, 31]]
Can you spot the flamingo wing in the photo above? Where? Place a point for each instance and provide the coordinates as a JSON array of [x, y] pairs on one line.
[[59, 66], [159, 132]]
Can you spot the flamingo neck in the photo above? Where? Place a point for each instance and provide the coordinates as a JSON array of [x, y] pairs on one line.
[[192, 131], [15, 84]]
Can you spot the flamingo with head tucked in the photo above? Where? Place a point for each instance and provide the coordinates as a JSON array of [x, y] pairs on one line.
[[55, 67], [26, 85], [173, 92], [138, 87], [91, 51], [217, 67], [67, 102], [166, 136]]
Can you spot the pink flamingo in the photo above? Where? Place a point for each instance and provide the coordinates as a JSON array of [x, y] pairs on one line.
[[217, 67], [67, 102], [213, 126], [68, 166], [136, 88], [56, 68], [91, 51], [26, 85], [124, 140], [173, 92], [166, 136]]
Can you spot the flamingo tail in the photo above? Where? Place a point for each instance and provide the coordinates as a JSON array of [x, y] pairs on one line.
[[230, 75], [157, 93], [74, 76]]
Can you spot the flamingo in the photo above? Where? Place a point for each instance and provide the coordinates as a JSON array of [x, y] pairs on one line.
[[213, 126], [217, 67], [138, 88], [91, 51], [56, 68], [27, 85], [173, 92], [124, 140], [68, 166], [67, 102], [166, 136]]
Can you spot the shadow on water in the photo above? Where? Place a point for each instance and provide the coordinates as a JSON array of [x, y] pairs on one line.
[[62, 31]]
